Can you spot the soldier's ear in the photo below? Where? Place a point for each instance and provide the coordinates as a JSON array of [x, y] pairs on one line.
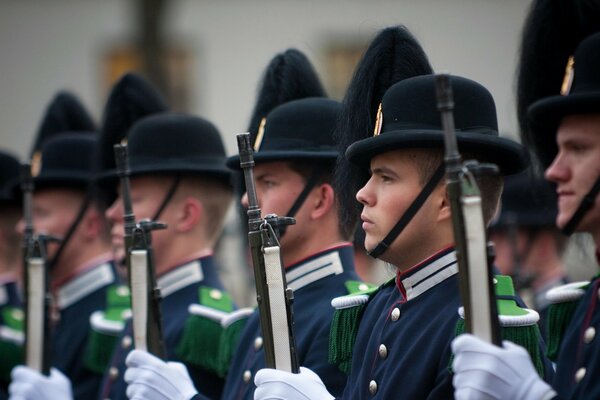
[[323, 200], [189, 215], [445, 213]]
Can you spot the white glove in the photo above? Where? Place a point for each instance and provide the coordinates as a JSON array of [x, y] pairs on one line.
[[485, 371], [29, 384], [273, 384], [150, 378]]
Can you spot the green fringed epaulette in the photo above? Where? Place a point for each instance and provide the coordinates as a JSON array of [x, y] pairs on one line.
[[563, 302], [346, 319], [11, 341], [232, 325], [518, 325], [200, 342], [106, 327]]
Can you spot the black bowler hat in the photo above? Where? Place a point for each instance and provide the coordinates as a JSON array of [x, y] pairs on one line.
[[176, 144], [297, 130], [580, 95], [66, 162], [65, 113], [131, 99], [409, 118], [553, 29], [527, 201], [9, 176]]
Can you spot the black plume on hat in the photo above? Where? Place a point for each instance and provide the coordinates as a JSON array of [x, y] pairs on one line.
[[527, 201], [393, 55], [9, 177], [131, 99], [65, 113], [289, 76], [552, 31], [177, 144]]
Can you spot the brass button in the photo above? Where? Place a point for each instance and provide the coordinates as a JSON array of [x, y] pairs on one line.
[[589, 335], [126, 342], [395, 314], [373, 387], [247, 376], [216, 294], [258, 342], [113, 373], [383, 351], [363, 286], [580, 374]]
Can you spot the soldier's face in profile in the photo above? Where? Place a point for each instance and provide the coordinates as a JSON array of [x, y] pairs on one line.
[[146, 195], [53, 212], [277, 188], [394, 184], [576, 168]]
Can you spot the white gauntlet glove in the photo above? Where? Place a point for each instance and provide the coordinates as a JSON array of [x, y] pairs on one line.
[[485, 371], [28, 384], [150, 378], [273, 384]]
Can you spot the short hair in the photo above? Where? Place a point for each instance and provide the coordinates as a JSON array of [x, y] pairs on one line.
[[216, 197], [324, 170], [490, 185]]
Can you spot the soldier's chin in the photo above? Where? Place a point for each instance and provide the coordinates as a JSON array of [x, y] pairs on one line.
[[119, 255]]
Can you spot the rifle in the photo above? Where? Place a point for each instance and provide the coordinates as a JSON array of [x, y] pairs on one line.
[[475, 273], [272, 294], [37, 293], [145, 294]]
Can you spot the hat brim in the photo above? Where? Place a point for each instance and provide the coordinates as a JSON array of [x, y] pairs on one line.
[[546, 114], [70, 179], [233, 162], [110, 177], [509, 156]]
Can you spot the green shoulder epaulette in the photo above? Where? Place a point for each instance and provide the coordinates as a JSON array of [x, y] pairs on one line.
[[200, 342], [346, 319], [233, 325], [563, 302], [12, 337], [518, 325], [106, 327]]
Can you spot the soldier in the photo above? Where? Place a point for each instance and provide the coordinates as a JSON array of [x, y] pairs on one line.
[[406, 326], [11, 315], [528, 245], [294, 155], [566, 128], [179, 177], [80, 266]]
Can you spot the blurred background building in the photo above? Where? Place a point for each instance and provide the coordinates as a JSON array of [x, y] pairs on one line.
[[206, 56]]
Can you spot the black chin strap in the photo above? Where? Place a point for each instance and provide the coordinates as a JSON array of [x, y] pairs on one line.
[[310, 184], [409, 213], [167, 198], [585, 205], [65, 239]]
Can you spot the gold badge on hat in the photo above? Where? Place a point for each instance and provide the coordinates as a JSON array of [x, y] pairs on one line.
[[261, 133], [36, 163], [124, 141], [378, 121], [568, 79]]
